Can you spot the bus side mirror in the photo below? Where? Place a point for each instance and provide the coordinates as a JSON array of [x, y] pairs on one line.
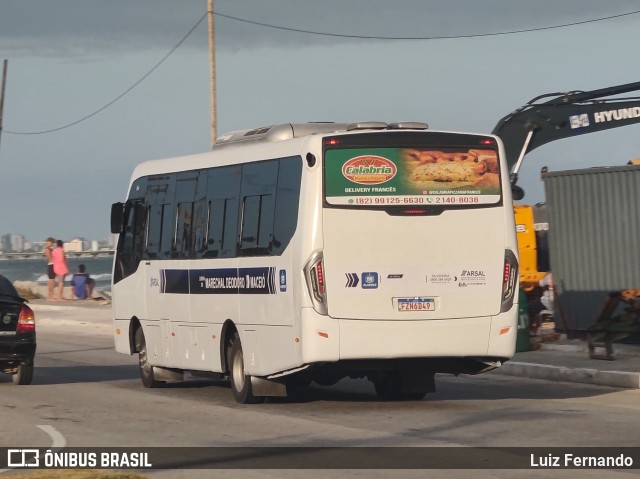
[[117, 217], [517, 193]]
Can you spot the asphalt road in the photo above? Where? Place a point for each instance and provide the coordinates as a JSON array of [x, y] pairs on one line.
[[84, 394]]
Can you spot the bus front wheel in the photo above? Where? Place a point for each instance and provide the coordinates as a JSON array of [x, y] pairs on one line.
[[146, 369], [240, 381]]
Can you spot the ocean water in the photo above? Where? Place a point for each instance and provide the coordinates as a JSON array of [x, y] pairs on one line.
[[35, 269]]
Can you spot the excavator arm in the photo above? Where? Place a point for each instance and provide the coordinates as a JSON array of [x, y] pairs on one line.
[[564, 115], [551, 117]]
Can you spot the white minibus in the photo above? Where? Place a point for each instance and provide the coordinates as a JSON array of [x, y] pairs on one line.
[[319, 251]]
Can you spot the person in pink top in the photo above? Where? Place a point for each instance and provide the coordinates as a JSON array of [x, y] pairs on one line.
[[60, 268]]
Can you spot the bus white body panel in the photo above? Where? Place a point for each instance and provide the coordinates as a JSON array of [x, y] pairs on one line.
[[446, 257]]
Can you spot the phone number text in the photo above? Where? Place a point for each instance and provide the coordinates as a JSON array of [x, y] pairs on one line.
[[438, 200]]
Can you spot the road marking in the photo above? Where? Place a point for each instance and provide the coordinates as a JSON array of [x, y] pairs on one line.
[[58, 441], [56, 436]]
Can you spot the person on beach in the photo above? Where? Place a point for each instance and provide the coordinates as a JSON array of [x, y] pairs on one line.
[[50, 273], [81, 284], [60, 268]]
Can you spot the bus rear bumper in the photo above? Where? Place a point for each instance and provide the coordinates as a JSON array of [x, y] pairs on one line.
[[326, 339]]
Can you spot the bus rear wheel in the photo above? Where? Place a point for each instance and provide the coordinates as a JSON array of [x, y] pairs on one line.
[[388, 387], [240, 381], [146, 369]]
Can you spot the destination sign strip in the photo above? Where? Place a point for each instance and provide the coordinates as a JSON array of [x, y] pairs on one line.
[[261, 280]]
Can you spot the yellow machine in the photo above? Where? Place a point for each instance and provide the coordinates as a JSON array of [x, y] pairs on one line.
[[527, 244]]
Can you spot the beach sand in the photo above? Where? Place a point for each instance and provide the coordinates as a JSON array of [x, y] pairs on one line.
[[33, 291]]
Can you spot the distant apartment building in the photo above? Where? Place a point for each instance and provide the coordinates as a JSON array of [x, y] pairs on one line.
[[17, 243], [5, 243], [76, 245], [13, 243]]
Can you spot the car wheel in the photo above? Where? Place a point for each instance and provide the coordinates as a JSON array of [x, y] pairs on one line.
[[240, 381], [144, 366], [24, 374]]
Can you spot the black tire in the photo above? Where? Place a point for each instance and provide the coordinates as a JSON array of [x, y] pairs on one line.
[[240, 381], [419, 396], [389, 388], [146, 369], [24, 374]]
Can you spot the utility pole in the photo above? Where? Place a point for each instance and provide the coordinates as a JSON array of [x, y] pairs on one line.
[[4, 81], [212, 74]]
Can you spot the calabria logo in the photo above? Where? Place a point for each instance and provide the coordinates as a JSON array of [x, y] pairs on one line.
[[369, 170]]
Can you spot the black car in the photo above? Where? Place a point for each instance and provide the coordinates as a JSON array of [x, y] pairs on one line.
[[17, 334]]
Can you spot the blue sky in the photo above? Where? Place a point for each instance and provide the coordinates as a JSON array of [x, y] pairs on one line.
[[71, 57]]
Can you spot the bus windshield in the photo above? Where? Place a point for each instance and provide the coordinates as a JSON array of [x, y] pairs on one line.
[[426, 175]]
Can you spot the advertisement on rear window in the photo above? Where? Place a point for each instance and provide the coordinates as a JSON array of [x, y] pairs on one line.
[[408, 176]]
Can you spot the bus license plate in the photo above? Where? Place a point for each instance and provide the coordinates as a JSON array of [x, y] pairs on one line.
[[416, 304]]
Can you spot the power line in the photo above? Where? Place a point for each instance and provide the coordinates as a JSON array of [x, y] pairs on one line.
[[119, 96], [443, 37], [310, 32]]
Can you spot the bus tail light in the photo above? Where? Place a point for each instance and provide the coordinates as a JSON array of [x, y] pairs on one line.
[[509, 280], [26, 320], [316, 282]]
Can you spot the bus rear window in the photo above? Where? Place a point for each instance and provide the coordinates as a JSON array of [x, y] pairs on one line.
[[385, 177]]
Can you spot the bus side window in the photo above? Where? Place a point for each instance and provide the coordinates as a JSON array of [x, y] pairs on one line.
[[200, 219], [186, 183], [216, 213], [259, 181], [200, 225], [184, 219], [132, 241], [160, 192], [250, 222], [230, 228], [140, 232], [223, 191], [155, 227], [265, 222], [287, 200], [168, 221], [257, 225]]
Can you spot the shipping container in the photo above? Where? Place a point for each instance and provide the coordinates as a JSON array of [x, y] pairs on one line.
[[594, 239]]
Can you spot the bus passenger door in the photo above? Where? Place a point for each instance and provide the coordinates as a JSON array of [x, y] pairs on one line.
[[167, 295], [128, 274], [266, 311]]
